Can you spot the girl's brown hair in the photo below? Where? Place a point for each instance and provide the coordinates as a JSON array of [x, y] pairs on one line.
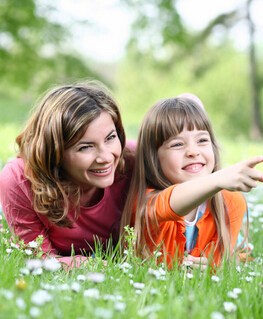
[[165, 119], [58, 122]]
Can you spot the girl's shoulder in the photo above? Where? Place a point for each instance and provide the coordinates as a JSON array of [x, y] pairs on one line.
[[234, 199]]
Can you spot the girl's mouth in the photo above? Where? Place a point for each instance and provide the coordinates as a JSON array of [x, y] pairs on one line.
[[193, 168]]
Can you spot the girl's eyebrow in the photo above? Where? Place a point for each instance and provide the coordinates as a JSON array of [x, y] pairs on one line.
[[92, 143], [203, 132]]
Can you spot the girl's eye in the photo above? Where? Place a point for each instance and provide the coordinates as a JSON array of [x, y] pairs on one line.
[[203, 140]]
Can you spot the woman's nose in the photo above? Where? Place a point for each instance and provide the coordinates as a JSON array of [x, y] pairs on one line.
[[104, 156]]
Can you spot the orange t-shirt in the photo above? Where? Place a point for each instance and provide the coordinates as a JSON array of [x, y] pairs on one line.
[[170, 230]]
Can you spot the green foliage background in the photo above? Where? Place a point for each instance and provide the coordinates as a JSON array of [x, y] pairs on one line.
[[217, 73], [222, 85]]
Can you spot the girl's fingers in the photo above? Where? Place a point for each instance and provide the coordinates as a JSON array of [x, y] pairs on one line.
[[253, 161], [198, 260], [257, 175], [199, 266]]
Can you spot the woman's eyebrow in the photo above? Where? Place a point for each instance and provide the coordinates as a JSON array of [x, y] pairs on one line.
[[92, 143], [112, 131]]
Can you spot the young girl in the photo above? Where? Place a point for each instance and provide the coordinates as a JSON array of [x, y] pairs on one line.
[[180, 199]]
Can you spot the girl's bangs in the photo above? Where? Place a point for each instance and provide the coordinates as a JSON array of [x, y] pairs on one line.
[[173, 120]]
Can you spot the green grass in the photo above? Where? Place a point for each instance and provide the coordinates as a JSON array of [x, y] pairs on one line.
[[171, 296]]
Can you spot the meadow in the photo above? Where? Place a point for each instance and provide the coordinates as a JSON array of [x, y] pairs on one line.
[[128, 287]]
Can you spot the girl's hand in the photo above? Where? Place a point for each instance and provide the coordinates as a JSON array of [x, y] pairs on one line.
[[241, 176], [197, 262]]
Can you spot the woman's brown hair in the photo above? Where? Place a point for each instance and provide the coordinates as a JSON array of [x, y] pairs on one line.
[[58, 122]]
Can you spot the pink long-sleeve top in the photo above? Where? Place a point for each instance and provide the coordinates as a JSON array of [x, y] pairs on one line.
[[100, 221]]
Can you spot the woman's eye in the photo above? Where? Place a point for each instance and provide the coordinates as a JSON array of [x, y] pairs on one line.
[[111, 137], [83, 148], [177, 144]]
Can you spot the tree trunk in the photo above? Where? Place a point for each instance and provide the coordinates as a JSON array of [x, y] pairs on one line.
[[256, 126]]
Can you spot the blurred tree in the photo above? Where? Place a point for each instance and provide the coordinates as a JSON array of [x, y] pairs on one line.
[[31, 47], [256, 127], [226, 98], [157, 26], [159, 32]]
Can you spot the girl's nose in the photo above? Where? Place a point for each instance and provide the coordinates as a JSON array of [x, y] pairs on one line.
[[192, 151]]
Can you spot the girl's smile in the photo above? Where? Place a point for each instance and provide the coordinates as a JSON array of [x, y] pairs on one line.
[[187, 156], [194, 167]]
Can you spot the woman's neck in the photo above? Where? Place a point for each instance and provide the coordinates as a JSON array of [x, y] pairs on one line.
[[91, 197]]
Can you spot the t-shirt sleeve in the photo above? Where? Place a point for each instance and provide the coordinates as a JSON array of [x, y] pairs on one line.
[[237, 207], [163, 209], [16, 202]]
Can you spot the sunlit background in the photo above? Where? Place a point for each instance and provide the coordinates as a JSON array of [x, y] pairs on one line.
[[144, 51]]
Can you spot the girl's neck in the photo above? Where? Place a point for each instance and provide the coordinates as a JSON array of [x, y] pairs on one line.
[[91, 197], [191, 216]]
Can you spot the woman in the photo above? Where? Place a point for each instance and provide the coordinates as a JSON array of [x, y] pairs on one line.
[[71, 177]]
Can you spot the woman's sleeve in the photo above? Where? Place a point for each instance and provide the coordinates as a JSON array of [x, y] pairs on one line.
[[24, 223], [22, 220]]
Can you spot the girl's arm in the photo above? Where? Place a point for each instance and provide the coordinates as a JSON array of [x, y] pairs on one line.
[[239, 177]]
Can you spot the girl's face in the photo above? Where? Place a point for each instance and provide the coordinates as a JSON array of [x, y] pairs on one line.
[[92, 161], [187, 156]]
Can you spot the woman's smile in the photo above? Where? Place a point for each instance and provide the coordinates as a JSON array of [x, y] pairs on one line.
[[102, 171], [92, 161]]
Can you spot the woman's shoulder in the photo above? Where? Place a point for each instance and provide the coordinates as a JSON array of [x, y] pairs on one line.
[[13, 170], [131, 144]]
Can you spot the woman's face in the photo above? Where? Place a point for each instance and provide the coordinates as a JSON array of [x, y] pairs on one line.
[[92, 161], [187, 156]]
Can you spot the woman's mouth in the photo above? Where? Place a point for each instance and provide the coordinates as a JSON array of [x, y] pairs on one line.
[[100, 170]]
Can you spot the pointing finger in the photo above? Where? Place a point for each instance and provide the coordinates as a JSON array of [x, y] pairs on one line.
[[253, 161]]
